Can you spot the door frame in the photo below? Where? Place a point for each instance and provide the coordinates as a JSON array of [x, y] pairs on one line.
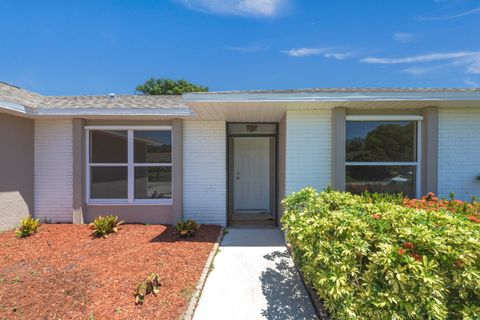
[[230, 175]]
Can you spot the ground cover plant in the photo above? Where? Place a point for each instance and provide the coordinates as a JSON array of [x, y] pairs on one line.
[[62, 273], [103, 226], [374, 257], [27, 227], [187, 228]]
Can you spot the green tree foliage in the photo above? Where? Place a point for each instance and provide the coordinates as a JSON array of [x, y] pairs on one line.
[[387, 142], [168, 87]]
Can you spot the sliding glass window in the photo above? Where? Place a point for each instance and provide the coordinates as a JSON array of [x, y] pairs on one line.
[[130, 165], [383, 156]]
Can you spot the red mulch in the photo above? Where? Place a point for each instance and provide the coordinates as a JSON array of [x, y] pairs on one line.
[[64, 273]]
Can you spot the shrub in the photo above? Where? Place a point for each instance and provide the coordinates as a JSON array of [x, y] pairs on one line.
[[470, 210], [187, 228], [103, 226], [381, 260], [28, 226], [150, 285]]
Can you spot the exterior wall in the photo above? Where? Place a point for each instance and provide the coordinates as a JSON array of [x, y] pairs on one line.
[[430, 151], [16, 170], [308, 149], [282, 136], [459, 152], [152, 214], [53, 170], [339, 132], [78, 141], [204, 171]]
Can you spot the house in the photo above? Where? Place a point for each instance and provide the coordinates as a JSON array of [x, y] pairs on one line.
[[229, 157]]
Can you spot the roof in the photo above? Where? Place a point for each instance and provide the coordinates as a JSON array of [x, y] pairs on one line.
[[21, 99], [338, 94], [17, 95], [18, 100], [118, 101]]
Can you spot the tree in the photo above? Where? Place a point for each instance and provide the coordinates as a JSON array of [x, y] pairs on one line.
[[168, 87]]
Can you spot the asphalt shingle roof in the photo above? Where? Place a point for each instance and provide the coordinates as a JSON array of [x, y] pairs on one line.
[[33, 100], [14, 94], [119, 101]]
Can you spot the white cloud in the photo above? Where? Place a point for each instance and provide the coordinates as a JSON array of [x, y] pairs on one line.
[[471, 83], [254, 8], [403, 37], [423, 58], [338, 56], [325, 52], [453, 16], [418, 71], [468, 59], [304, 52]]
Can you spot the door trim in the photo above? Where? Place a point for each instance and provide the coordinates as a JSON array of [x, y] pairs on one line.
[[230, 176]]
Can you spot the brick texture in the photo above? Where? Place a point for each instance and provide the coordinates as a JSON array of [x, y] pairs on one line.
[[459, 152]]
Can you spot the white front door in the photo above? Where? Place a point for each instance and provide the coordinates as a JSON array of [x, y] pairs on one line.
[[251, 174]]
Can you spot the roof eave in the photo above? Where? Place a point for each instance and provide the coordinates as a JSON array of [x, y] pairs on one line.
[[172, 112], [332, 97], [15, 108]]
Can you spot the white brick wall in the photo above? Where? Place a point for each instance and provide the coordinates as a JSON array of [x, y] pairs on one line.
[[204, 171], [308, 149], [53, 193], [459, 152]]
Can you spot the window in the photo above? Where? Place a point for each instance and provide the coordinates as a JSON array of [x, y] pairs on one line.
[[129, 165], [382, 155]]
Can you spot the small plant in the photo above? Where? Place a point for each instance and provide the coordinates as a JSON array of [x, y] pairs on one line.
[[28, 226], [187, 228], [150, 285], [103, 226]]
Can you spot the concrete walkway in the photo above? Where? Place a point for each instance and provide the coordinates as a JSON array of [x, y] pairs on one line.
[[254, 278]]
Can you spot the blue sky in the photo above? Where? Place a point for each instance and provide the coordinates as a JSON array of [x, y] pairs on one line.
[[70, 47]]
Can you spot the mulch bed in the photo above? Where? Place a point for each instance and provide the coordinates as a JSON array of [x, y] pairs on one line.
[[64, 273]]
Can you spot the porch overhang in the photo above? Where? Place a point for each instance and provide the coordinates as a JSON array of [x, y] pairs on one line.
[[273, 111]]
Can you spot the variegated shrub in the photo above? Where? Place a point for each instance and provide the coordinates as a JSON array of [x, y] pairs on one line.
[[381, 260]]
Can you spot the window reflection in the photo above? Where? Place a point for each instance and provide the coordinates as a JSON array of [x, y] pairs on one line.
[[381, 141], [153, 146], [108, 146], [153, 183], [381, 179]]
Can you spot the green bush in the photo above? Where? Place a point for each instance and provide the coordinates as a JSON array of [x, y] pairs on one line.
[[187, 228], [103, 226], [376, 259], [28, 226]]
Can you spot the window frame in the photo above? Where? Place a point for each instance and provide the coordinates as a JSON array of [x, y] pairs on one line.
[[131, 165], [417, 164]]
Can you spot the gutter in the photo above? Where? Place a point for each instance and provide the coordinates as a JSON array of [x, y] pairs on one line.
[[112, 112], [14, 107], [79, 112]]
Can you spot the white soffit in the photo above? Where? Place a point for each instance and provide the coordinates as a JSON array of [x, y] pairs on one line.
[[263, 111]]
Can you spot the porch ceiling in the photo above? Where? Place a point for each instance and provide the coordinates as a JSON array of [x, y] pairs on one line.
[[273, 111]]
